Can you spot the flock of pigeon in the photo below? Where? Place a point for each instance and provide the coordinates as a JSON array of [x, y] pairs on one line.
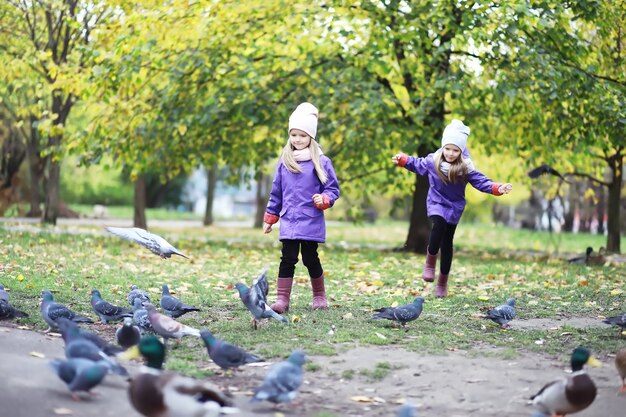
[[155, 392]]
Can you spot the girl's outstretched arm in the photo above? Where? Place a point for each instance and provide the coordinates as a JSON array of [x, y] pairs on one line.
[[482, 183], [413, 163]]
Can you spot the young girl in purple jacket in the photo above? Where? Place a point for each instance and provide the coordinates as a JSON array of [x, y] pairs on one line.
[[449, 170], [304, 186]]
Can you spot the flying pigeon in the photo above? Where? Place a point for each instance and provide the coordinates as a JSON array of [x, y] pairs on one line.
[[172, 306], [137, 293], [79, 374], [254, 298], [128, 335], [107, 311], [283, 380], [224, 354], [502, 314], [167, 327], [140, 316], [155, 243], [401, 314], [545, 169], [68, 327], [7, 311], [51, 311], [407, 410]]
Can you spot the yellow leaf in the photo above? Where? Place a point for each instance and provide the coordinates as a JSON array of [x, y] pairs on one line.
[[378, 283], [483, 298], [182, 129], [616, 292], [395, 304], [20, 277], [361, 399], [37, 354], [295, 318]]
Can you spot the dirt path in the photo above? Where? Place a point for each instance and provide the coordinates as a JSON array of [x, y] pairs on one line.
[[456, 385]]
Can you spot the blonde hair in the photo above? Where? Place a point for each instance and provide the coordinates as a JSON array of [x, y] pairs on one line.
[[457, 170], [292, 165]]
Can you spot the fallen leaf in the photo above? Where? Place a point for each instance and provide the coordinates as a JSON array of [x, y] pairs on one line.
[[347, 316], [295, 318], [483, 298], [63, 411], [616, 292], [381, 336], [37, 354], [361, 399]]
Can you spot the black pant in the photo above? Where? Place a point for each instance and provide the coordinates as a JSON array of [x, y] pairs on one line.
[[441, 237], [289, 258]]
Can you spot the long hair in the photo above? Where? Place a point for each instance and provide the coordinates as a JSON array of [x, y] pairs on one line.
[[458, 168], [292, 165]]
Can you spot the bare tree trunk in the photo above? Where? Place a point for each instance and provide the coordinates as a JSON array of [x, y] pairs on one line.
[[210, 194], [615, 191], [139, 215], [36, 165], [601, 208], [263, 184], [51, 208]]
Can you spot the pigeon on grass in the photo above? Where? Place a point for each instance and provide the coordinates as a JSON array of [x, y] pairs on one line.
[[107, 311], [401, 314], [255, 300], [136, 293], [172, 306], [224, 354], [155, 243], [51, 311], [502, 314], [7, 311]]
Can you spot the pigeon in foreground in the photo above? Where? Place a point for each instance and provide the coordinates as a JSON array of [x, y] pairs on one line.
[[128, 335], [283, 380], [51, 311], [545, 169], [155, 243], [502, 314], [407, 410], [167, 327], [255, 301], [172, 306], [79, 374], [7, 311], [107, 311], [140, 316], [68, 327], [136, 293], [401, 314], [224, 354]]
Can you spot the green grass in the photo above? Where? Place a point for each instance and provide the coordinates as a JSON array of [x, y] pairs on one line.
[[486, 271]]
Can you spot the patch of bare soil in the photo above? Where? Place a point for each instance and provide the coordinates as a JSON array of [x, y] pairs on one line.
[[554, 324]]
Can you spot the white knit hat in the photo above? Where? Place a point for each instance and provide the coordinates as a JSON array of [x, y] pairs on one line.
[[455, 133], [304, 117]]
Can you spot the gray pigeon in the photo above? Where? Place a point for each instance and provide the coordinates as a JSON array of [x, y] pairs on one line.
[[502, 314], [255, 300], [128, 335], [7, 311], [616, 321], [136, 293], [155, 243], [224, 354], [283, 380], [167, 327], [107, 311], [401, 314], [172, 306], [140, 316], [79, 374], [51, 311], [407, 410], [68, 327]]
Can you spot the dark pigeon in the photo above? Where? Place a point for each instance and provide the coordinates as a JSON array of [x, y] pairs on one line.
[[140, 316], [79, 374], [107, 311], [172, 306], [7, 311], [128, 335], [224, 354], [617, 321], [401, 314], [283, 380], [544, 170], [255, 299], [51, 311], [67, 327], [155, 243], [502, 314], [136, 293]]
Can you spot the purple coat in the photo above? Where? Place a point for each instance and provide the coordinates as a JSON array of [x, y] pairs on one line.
[[291, 199], [447, 200]]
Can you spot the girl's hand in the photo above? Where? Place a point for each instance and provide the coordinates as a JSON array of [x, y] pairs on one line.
[[317, 199], [267, 228], [400, 159], [505, 188]]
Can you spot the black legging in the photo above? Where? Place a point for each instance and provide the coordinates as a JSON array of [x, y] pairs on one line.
[[441, 237], [310, 259]]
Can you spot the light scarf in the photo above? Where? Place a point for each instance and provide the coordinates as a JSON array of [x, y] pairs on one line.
[[445, 166], [304, 154]]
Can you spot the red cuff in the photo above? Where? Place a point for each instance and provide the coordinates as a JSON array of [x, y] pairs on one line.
[[403, 159], [325, 202], [495, 187], [270, 218]]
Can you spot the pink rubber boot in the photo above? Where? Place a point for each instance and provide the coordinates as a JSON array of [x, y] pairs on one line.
[[283, 292], [429, 267], [319, 293], [441, 291]]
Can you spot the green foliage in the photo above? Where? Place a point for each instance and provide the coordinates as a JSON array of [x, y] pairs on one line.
[[94, 185]]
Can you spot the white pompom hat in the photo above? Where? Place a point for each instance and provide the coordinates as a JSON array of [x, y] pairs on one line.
[[456, 133], [304, 117]]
